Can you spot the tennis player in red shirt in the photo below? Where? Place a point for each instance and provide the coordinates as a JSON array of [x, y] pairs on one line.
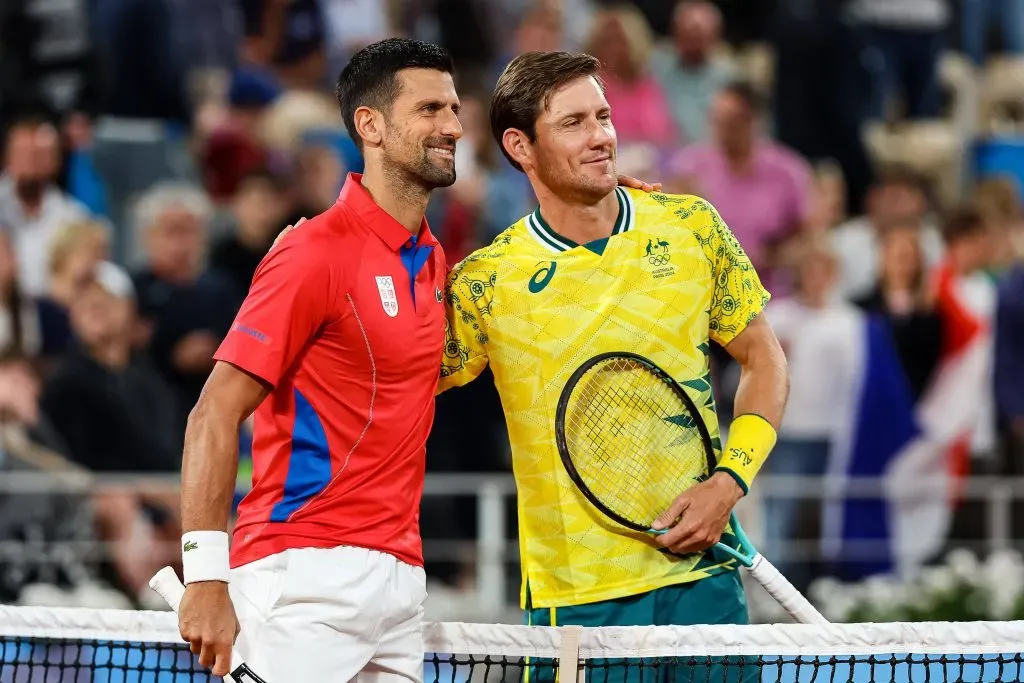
[[337, 350]]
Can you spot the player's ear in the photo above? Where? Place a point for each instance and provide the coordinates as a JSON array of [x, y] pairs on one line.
[[518, 146], [369, 125]]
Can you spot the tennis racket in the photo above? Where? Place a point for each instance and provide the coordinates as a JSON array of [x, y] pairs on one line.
[[166, 583], [632, 440]]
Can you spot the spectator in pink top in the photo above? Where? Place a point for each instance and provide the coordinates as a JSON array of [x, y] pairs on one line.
[[622, 40], [761, 188]]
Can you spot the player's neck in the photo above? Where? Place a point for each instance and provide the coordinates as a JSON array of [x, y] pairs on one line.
[[582, 223], [404, 202]]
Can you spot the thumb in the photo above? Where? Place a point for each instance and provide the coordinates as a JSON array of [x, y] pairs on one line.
[[668, 518]]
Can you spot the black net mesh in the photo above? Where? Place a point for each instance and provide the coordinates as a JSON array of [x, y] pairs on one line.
[[59, 660]]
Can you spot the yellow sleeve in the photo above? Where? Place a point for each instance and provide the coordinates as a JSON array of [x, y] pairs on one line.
[[738, 294], [467, 311]]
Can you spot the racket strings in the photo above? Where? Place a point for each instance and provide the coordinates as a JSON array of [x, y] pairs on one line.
[[631, 439]]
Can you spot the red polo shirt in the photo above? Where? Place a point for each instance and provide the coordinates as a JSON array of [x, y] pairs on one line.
[[345, 320]]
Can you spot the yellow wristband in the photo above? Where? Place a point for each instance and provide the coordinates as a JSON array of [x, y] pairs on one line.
[[751, 439]]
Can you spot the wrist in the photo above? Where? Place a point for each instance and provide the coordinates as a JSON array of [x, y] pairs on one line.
[[751, 439], [728, 484], [204, 556]]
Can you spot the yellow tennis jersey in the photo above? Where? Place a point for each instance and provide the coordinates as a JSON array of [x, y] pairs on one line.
[[535, 306]]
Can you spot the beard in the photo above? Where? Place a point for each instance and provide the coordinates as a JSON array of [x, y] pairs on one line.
[[30, 190], [423, 168], [574, 185]]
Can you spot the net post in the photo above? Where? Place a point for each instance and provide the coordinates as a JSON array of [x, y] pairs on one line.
[[569, 669]]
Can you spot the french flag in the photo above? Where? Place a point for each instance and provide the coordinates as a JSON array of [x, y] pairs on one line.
[[920, 452]]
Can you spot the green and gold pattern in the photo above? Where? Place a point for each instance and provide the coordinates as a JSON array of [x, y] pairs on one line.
[[671, 278]]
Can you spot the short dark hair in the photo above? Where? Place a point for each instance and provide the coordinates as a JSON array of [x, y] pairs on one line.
[[370, 79], [748, 94], [900, 175], [526, 86], [962, 222]]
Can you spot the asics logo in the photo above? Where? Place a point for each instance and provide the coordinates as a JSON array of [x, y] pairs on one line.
[[542, 277]]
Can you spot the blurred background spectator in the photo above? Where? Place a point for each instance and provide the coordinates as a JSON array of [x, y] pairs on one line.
[[867, 153]]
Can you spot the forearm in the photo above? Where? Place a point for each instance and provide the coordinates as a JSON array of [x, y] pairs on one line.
[[209, 469], [763, 387], [759, 406]]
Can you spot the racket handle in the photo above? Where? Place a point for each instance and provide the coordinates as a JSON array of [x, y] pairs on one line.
[[166, 583], [779, 587]]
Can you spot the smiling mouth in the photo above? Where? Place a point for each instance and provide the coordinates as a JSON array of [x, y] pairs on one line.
[[443, 152]]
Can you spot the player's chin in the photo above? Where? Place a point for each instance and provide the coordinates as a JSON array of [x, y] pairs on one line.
[[437, 176], [601, 179]]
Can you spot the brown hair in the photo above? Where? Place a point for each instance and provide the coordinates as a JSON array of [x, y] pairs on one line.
[[525, 88], [998, 198], [963, 221]]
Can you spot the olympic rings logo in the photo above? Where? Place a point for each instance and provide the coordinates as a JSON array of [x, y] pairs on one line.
[[658, 259]]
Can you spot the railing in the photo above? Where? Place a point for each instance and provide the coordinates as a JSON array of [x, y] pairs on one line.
[[495, 553]]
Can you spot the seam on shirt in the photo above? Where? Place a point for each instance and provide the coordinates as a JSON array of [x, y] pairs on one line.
[[369, 418], [373, 390]]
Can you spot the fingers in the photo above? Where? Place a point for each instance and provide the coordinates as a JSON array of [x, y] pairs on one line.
[[667, 518], [693, 537], [195, 644], [637, 184], [702, 518], [222, 665], [214, 654], [287, 230], [212, 644]]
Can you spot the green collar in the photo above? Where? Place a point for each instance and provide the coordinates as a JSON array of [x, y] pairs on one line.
[[543, 233]]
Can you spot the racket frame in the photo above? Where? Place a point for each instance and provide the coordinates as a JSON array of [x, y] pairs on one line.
[[747, 555], [563, 447]]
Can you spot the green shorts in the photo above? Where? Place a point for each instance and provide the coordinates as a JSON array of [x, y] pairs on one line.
[[714, 600]]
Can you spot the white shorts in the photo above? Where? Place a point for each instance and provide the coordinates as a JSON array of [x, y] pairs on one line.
[[330, 615]]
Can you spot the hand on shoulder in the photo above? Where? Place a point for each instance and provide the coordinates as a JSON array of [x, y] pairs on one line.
[[286, 231]]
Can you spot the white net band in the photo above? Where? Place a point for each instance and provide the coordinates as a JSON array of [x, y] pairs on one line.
[[509, 641]]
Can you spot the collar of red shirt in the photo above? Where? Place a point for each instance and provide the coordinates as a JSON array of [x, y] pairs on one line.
[[354, 196]]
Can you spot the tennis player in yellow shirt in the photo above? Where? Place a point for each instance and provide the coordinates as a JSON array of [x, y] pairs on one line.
[[599, 267]]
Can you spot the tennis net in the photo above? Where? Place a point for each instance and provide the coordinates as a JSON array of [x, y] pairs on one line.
[[47, 645]]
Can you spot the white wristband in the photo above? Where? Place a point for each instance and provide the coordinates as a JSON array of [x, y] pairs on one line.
[[204, 556]]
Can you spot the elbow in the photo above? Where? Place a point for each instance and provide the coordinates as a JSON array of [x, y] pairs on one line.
[[197, 416], [203, 414], [782, 366]]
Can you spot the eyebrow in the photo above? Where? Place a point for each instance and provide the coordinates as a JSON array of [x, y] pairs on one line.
[[581, 114], [434, 100]]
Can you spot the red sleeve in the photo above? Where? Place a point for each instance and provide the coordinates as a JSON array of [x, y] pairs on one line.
[[289, 300]]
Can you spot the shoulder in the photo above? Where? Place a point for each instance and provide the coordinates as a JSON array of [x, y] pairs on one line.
[[321, 244], [73, 373], [486, 259], [786, 161], [675, 210]]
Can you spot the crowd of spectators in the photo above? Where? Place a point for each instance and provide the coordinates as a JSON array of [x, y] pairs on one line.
[[152, 150]]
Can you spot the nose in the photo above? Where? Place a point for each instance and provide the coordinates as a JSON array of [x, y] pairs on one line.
[[600, 134], [451, 126]]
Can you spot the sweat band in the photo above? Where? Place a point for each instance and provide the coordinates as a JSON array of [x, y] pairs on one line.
[[204, 556], [751, 439]]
